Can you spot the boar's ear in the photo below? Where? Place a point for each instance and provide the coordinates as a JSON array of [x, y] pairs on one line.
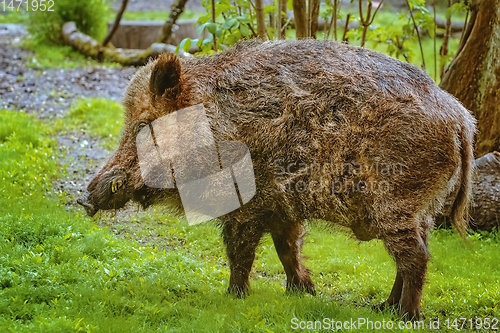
[[166, 74]]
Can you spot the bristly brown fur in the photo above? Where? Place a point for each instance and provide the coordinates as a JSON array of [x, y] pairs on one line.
[[304, 106]]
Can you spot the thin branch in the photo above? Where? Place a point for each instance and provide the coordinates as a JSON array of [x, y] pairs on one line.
[[361, 18], [376, 10], [253, 30], [213, 21], [313, 17], [116, 24], [175, 11], [333, 21], [284, 21], [435, 47], [283, 28], [464, 31], [336, 9], [346, 28], [467, 31], [418, 34], [444, 47], [238, 8], [364, 22], [250, 10], [278, 21]]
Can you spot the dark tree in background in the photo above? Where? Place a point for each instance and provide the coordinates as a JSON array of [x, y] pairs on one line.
[[474, 74]]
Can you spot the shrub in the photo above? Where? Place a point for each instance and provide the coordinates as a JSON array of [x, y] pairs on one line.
[[89, 17]]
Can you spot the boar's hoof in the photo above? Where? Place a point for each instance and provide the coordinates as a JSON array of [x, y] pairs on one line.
[[239, 292], [302, 287], [386, 306], [413, 315]]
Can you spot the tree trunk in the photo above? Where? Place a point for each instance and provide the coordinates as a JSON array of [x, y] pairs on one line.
[[474, 74], [485, 209], [300, 15], [261, 24], [313, 17], [175, 11], [283, 20], [214, 35]]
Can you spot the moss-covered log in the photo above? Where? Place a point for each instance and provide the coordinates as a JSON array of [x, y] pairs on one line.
[[127, 57], [92, 48]]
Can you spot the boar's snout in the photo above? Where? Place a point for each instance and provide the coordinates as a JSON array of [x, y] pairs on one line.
[[87, 204], [108, 190]]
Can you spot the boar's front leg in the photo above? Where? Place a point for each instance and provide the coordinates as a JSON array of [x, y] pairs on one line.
[[288, 240], [395, 296], [241, 240], [409, 249]]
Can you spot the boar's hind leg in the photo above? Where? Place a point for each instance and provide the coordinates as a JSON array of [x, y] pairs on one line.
[[241, 240], [395, 296], [288, 241], [409, 249]]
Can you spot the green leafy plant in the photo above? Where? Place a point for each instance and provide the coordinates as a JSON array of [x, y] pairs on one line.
[[15, 17], [234, 21]]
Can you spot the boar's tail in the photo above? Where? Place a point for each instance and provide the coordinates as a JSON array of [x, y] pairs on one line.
[[460, 210]]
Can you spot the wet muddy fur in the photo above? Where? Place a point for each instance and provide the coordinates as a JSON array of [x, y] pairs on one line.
[[304, 108]]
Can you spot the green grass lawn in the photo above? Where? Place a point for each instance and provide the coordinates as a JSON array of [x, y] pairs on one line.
[[99, 116], [62, 272]]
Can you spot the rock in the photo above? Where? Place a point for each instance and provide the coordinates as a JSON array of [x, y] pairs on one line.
[[157, 48]]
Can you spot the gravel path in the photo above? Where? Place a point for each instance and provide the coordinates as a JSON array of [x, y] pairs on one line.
[[49, 93]]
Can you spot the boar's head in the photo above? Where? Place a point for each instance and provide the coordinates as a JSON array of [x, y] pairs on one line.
[[156, 90]]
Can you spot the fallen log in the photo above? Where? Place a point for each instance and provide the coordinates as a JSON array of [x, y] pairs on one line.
[[485, 208], [88, 46], [455, 25]]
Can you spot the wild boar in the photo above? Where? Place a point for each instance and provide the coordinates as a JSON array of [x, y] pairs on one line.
[[335, 132]]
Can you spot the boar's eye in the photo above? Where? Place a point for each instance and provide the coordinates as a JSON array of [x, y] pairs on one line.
[[139, 126]]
